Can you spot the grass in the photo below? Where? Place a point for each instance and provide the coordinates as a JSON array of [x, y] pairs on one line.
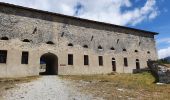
[[9, 83], [122, 86], [22, 79], [167, 65]]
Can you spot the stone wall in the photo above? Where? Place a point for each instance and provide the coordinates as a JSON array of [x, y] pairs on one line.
[[161, 72], [40, 27]]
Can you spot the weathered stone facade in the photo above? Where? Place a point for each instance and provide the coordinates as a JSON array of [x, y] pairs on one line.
[[39, 27]]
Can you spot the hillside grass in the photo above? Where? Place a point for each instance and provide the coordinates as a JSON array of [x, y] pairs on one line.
[[122, 86]]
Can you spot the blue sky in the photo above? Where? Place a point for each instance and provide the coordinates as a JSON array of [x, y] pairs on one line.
[[151, 15], [160, 24]]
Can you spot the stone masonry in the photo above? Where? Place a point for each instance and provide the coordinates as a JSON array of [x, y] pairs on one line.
[[40, 27]]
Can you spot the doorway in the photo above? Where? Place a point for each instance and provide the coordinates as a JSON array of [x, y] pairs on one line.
[[113, 64], [137, 64], [48, 64]]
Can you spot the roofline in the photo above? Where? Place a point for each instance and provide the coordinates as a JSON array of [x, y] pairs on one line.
[[77, 18]]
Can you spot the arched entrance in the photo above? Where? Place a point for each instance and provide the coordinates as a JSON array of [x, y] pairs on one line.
[[113, 64], [48, 64]]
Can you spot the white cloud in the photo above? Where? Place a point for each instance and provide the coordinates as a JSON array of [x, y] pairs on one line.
[[109, 11], [162, 53], [165, 52], [153, 15], [163, 40]]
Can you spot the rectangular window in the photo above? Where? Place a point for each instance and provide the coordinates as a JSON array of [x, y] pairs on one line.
[[3, 56], [70, 59], [125, 62], [86, 60], [100, 61], [24, 59]]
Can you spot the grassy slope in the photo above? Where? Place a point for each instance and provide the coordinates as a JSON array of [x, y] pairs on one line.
[[123, 86]]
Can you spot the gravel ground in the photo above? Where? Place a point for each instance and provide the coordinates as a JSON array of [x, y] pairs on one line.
[[46, 88]]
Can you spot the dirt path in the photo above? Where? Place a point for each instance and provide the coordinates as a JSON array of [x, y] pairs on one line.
[[46, 88]]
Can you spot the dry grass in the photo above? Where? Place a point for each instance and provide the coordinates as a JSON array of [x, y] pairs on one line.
[[122, 86], [9, 83], [167, 65]]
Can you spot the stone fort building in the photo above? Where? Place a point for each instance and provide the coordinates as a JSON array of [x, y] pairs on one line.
[[31, 40]]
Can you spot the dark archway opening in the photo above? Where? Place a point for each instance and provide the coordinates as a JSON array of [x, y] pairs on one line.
[[85, 46], [50, 42], [4, 38], [70, 44], [100, 47], [49, 64], [26, 40], [112, 48]]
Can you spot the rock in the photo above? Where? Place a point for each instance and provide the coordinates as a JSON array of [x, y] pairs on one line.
[[161, 73]]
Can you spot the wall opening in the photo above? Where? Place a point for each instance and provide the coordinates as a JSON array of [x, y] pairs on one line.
[[62, 34], [136, 51], [3, 56], [124, 49], [137, 64], [70, 59], [100, 47], [24, 58], [86, 60], [100, 60], [113, 64], [70, 44], [117, 41], [85, 46], [148, 52], [125, 62], [92, 38], [4, 38], [112, 48], [26, 40], [50, 42], [49, 64]]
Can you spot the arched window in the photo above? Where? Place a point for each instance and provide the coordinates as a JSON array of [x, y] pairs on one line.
[[148, 52], [113, 59], [136, 50], [85, 46], [100, 47], [4, 38], [70, 44], [50, 42], [112, 48], [124, 49], [26, 40]]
